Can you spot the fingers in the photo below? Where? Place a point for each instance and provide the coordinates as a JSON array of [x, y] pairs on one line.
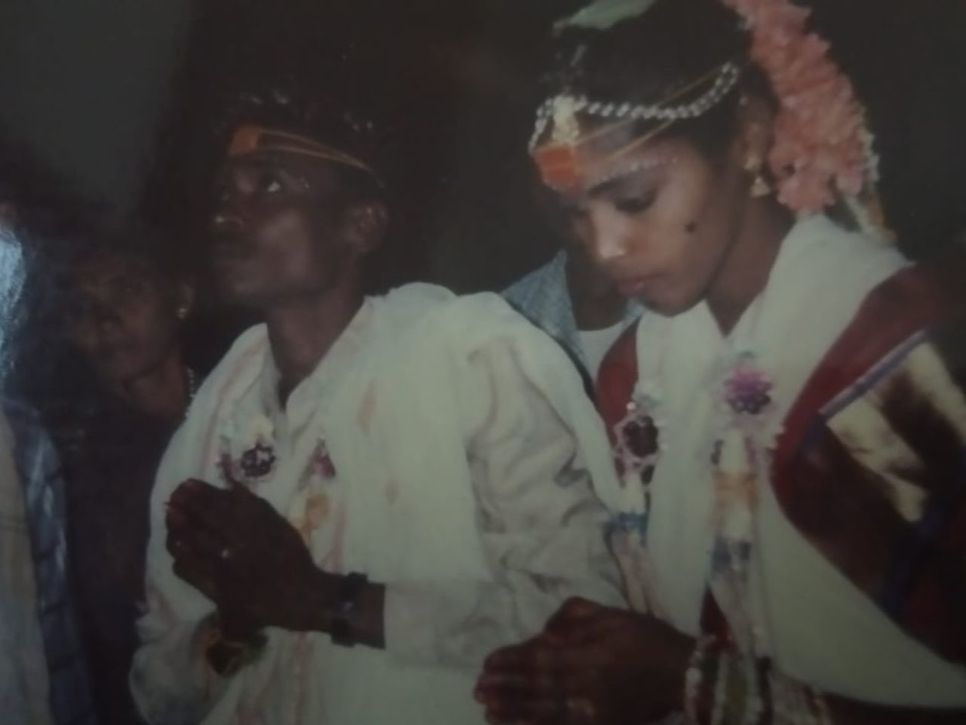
[[574, 620], [198, 505]]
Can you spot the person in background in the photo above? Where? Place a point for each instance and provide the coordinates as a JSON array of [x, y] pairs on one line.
[[788, 420], [43, 673], [124, 300], [576, 303]]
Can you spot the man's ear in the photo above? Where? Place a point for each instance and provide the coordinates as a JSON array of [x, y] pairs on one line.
[[366, 223]]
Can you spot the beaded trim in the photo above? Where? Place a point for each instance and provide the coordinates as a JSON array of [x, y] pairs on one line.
[[566, 106]]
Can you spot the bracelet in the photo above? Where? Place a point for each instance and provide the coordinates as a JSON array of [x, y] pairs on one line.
[[340, 626]]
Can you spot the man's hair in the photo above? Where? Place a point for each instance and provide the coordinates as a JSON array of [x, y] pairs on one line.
[[337, 122]]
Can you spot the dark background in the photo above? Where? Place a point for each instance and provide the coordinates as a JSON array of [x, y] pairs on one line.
[[119, 95]]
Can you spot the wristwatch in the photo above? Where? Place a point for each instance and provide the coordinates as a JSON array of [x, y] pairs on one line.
[[346, 606]]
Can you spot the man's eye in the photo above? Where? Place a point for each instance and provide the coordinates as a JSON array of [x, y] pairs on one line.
[[269, 184], [634, 204]]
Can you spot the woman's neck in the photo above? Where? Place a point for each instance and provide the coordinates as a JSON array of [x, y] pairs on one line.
[[301, 334], [163, 392], [745, 270]]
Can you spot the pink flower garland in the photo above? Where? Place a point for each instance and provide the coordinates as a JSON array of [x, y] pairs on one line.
[[820, 144]]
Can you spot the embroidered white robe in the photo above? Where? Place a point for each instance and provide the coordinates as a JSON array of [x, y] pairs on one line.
[[464, 450]]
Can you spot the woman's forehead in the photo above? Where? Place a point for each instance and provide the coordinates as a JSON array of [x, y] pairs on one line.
[[105, 268]]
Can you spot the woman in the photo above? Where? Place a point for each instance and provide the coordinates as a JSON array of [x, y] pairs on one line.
[[787, 417], [125, 305]]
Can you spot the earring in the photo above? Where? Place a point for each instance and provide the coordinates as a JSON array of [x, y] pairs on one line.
[[759, 185], [182, 312]]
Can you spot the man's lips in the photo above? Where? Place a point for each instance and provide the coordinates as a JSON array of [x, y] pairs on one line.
[[226, 249]]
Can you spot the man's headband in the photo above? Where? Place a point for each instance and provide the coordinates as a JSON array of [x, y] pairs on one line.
[[250, 139]]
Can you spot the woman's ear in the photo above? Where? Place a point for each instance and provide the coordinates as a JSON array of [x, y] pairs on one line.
[[366, 224], [756, 126]]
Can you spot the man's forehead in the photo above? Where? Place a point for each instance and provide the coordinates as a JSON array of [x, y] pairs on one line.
[[302, 166], [253, 140]]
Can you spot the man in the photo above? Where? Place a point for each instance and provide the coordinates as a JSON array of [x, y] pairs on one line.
[[409, 473]]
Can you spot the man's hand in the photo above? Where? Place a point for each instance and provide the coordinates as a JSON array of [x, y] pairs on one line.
[[592, 664], [240, 553]]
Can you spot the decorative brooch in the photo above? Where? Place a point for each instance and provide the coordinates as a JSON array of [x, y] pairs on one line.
[[257, 459]]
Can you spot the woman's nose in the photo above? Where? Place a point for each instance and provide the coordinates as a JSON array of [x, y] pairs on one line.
[[608, 231]]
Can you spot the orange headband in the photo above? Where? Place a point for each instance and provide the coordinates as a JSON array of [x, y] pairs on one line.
[[252, 139]]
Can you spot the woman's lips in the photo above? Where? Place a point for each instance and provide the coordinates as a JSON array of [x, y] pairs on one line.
[[633, 287]]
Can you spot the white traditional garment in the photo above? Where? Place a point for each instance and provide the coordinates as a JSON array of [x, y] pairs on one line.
[[815, 625], [443, 447]]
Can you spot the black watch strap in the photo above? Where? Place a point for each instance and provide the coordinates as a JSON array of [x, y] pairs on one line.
[[341, 629]]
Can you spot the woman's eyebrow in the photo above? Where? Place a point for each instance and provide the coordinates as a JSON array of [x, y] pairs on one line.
[[621, 180]]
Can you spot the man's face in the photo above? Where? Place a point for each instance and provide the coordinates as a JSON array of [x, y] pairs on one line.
[[278, 235]]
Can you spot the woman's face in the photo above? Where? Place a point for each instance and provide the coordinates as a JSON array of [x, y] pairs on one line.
[[659, 219], [123, 316]]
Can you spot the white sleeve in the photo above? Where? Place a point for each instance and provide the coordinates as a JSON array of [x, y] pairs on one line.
[[542, 527], [170, 679]]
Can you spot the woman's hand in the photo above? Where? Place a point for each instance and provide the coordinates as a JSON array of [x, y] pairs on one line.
[[592, 664], [238, 551]]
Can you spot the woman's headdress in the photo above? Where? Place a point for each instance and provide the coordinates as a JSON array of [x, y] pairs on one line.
[[822, 150]]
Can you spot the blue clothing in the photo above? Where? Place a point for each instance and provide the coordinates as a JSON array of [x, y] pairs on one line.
[[44, 498], [542, 296]]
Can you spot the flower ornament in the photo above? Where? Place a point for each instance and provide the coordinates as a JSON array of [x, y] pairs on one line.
[[321, 462], [256, 459], [821, 141], [637, 436], [747, 390]]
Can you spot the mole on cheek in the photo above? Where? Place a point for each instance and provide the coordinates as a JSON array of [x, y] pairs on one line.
[[691, 227]]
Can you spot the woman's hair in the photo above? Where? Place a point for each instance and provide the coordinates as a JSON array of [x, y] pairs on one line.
[[645, 59], [149, 249]]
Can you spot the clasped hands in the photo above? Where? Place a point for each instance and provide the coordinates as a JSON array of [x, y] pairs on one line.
[[240, 553]]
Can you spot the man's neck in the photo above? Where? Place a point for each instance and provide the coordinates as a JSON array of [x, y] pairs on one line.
[[302, 333]]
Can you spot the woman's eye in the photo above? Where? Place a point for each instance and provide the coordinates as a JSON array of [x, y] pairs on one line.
[[634, 204]]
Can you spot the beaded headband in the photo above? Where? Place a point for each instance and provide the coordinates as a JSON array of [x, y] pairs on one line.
[[559, 159], [250, 139], [564, 107]]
